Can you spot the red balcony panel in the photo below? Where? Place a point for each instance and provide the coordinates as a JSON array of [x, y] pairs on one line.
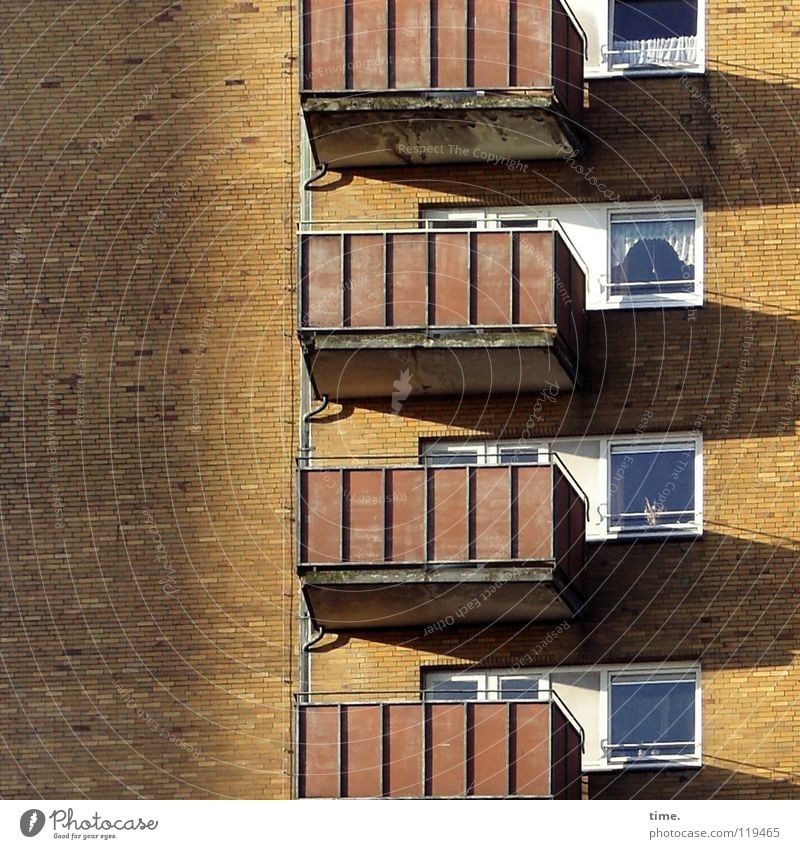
[[370, 48], [450, 60], [321, 751], [451, 279], [362, 743], [490, 776], [536, 276], [321, 516], [322, 281], [447, 746], [412, 44], [406, 511], [367, 275], [531, 749], [533, 513], [448, 515], [324, 35], [567, 760], [364, 521], [492, 517], [403, 749], [490, 34], [407, 279], [532, 44], [492, 259]]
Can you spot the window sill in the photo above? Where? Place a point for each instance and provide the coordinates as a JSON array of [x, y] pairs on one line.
[[621, 73], [664, 303], [643, 766], [643, 536]]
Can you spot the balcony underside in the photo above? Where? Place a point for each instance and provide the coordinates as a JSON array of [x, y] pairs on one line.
[[404, 365], [358, 598], [387, 130]]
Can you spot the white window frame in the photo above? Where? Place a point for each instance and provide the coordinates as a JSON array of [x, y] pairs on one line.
[[601, 759], [667, 211], [651, 759], [587, 228], [489, 681], [487, 452], [596, 20], [670, 442]]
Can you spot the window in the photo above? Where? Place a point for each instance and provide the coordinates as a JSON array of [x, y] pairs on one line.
[[495, 685], [635, 255], [483, 453], [651, 255], [637, 715], [654, 34], [652, 487], [652, 716], [642, 36]]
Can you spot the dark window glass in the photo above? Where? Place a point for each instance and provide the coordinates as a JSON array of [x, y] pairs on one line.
[[652, 718], [651, 488], [453, 691], [518, 455], [652, 257], [645, 19], [451, 458], [519, 688]]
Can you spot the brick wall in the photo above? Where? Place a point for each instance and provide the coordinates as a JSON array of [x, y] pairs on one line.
[[148, 404]]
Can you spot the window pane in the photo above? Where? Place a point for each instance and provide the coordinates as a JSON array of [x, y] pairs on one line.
[[519, 688], [651, 489], [652, 718], [452, 223], [644, 19], [519, 455], [519, 222], [451, 458], [652, 257], [453, 691]]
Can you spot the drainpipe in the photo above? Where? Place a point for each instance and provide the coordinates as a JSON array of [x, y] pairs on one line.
[[310, 640], [317, 175]]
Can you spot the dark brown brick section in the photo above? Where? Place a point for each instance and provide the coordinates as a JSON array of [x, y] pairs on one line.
[[149, 379]]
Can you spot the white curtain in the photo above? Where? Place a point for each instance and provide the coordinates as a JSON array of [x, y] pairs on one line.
[[679, 235], [678, 51]]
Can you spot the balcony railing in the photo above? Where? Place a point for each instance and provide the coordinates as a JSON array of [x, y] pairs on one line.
[[508, 305], [512, 55], [429, 749], [413, 545]]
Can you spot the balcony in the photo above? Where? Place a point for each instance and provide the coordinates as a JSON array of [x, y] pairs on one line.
[[385, 82], [525, 749], [417, 546], [441, 312]]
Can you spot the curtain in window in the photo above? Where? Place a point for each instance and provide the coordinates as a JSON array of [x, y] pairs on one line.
[[679, 235], [681, 50]]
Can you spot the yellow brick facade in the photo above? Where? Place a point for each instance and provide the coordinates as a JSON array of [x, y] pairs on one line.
[[151, 402], [149, 188]]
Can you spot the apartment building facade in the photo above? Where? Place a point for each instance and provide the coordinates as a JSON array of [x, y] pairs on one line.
[[402, 400], [539, 521]]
